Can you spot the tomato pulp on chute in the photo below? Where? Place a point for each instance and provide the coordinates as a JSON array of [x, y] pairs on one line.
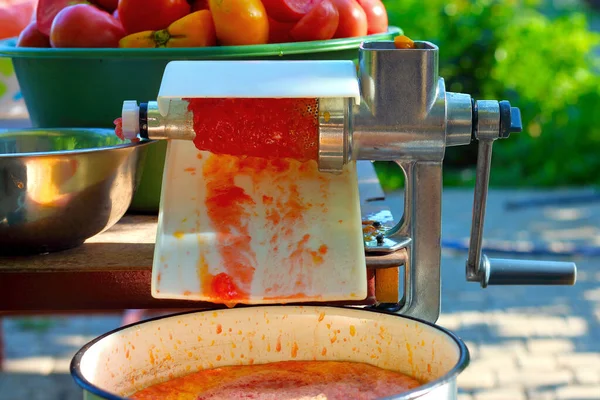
[[260, 138], [268, 128]]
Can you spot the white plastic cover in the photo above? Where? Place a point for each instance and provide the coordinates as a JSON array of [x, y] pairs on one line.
[[258, 79]]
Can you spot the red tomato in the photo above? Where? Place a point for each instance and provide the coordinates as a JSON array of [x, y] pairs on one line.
[[151, 15], [198, 5], [279, 32], [32, 37], [240, 22], [14, 16], [353, 19], [320, 23], [377, 18], [288, 10], [47, 11], [108, 5], [115, 14], [84, 25]]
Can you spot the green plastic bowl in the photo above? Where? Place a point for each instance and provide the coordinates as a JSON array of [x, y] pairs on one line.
[[85, 88]]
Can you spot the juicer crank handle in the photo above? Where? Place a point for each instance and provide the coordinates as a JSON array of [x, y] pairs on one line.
[[484, 160], [501, 271], [491, 120]]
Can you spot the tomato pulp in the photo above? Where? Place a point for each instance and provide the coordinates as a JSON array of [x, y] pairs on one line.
[[268, 128], [332, 380], [119, 128]]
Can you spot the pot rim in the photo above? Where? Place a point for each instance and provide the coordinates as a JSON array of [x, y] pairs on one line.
[[461, 364]]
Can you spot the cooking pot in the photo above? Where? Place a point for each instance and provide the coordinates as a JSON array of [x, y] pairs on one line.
[[124, 361]]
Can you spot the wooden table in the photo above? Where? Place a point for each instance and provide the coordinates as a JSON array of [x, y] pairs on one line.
[[112, 270]]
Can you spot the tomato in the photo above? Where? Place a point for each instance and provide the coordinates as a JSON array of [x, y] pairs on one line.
[[106, 5], [198, 5], [320, 23], [47, 10], [240, 22], [353, 19], [279, 32], [84, 25], [32, 37], [403, 42], [377, 18], [288, 10], [151, 15], [14, 17]]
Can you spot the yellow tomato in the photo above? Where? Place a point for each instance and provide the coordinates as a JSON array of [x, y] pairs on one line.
[[240, 22]]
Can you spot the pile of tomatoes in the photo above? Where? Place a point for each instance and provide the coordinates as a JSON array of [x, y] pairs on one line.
[[105, 23]]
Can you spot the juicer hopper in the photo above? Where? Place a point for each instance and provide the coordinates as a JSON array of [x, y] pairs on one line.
[[396, 109]]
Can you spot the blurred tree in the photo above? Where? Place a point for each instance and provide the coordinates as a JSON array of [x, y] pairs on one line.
[[511, 49]]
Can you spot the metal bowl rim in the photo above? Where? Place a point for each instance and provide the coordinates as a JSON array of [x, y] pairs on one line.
[[43, 154], [461, 364]]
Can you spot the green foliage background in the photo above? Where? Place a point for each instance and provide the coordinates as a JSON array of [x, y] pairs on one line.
[[542, 58]]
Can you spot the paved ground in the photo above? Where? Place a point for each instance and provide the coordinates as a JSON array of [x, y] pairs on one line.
[[532, 343]]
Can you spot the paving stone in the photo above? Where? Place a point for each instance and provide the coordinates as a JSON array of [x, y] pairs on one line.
[[577, 326], [592, 295], [579, 359], [62, 365], [470, 318], [532, 378], [30, 365], [449, 321], [536, 361], [476, 379], [589, 375], [512, 347], [578, 393], [549, 346], [540, 395], [502, 362], [525, 325], [501, 394]]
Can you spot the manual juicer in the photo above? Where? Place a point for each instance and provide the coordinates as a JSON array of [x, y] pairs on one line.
[[397, 110]]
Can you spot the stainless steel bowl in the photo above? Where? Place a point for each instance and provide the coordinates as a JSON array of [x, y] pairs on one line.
[[59, 187]]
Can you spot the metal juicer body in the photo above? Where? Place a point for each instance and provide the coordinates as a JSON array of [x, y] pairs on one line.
[[406, 116]]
